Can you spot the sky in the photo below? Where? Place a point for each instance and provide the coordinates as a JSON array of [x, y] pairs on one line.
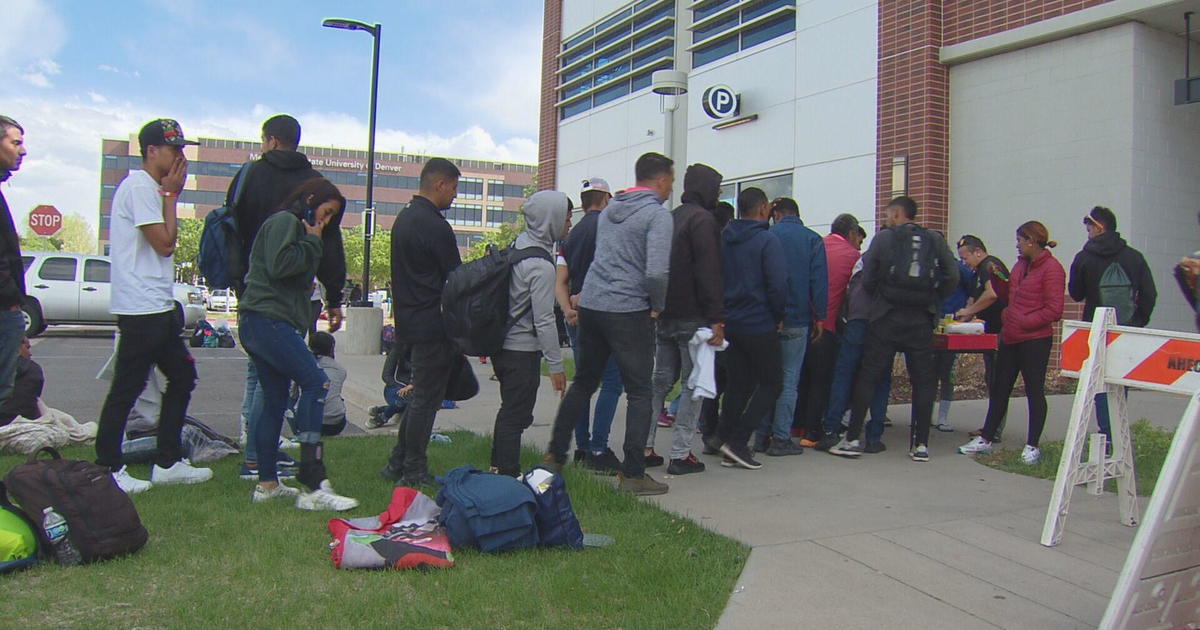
[[456, 78]]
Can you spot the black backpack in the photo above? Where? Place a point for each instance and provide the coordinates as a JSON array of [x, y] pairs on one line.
[[1116, 290], [911, 276], [475, 300], [101, 518], [220, 256]]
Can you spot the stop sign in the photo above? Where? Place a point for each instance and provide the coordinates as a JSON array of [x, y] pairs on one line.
[[45, 220]]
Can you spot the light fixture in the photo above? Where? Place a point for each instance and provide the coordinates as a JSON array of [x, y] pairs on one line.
[[734, 122], [899, 175], [669, 82]]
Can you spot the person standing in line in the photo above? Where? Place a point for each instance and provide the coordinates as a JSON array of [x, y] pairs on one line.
[[711, 407], [988, 299], [273, 316], [841, 254], [694, 301], [625, 288], [756, 296], [265, 183], [1035, 302], [578, 251], [534, 334], [1108, 272], [144, 232], [424, 252], [907, 271], [12, 270], [808, 299], [944, 361], [850, 353]]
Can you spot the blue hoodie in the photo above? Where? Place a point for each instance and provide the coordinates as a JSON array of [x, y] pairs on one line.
[[808, 275], [756, 277]]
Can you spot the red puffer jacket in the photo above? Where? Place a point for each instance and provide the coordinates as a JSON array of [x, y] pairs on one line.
[[1035, 299]]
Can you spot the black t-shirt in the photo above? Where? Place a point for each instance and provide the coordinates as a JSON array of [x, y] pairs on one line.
[[991, 270]]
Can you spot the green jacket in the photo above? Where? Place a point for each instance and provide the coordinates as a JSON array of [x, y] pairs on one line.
[[283, 263]]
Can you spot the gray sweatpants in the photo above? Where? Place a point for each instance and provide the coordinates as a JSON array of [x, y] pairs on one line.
[[671, 363]]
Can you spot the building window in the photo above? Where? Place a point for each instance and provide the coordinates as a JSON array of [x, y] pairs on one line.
[[719, 29], [774, 186], [596, 64]]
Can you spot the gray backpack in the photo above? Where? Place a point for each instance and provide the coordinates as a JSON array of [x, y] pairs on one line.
[[1116, 291]]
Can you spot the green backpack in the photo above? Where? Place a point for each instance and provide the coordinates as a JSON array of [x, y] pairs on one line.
[[20, 545], [1116, 291]]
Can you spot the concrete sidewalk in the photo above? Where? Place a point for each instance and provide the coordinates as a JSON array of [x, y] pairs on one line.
[[882, 540]]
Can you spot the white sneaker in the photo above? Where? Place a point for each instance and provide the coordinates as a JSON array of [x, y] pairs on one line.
[[324, 498], [1031, 455], [261, 494], [977, 446], [286, 443], [181, 472], [130, 484]]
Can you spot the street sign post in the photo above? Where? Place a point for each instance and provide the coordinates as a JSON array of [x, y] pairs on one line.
[[45, 220]]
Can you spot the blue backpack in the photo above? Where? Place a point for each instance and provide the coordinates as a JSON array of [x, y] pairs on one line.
[[556, 520], [492, 512], [221, 249]]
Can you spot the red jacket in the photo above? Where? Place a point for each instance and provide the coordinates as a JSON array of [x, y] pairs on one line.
[[1035, 299], [840, 257]]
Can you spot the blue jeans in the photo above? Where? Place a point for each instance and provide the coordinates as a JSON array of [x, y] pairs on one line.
[[251, 408], [849, 357], [281, 357], [606, 403], [12, 329], [673, 408], [395, 404], [1102, 417], [793, 344]]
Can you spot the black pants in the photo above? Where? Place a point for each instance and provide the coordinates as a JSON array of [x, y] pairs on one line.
[[629, 338], [710, 411], [1029, 358], [901, 330], [147, 341], [519, 373], [815, 382], [431, 366], [755, 378]]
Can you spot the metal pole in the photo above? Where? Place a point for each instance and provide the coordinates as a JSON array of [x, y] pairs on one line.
[[1187, 39], [369, 215]]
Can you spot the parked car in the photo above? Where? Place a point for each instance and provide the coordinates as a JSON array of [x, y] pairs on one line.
[[221, 300], [67, 288]]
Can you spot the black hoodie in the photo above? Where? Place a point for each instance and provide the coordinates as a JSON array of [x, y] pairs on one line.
[[696, 288], [269, 181], [1091, 262]]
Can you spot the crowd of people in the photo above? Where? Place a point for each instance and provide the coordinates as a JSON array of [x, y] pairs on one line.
[[779, 338]]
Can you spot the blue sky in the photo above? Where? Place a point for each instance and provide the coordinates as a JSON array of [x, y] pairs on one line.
[[458, 78]]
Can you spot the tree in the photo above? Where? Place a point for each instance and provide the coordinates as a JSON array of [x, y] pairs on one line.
[[187, 250], [76, 235], [500, 239], [381, 253]]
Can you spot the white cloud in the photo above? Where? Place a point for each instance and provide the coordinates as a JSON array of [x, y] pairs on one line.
[[63, 136], [33, 34], [107, 68], [39, 73]]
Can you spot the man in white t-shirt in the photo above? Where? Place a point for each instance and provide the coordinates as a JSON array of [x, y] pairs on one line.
[[143, 232]]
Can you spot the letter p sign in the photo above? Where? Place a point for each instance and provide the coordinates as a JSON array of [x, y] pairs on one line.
[[721, 102]]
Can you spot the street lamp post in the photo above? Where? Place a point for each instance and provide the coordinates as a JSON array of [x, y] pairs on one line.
[[368, 218]]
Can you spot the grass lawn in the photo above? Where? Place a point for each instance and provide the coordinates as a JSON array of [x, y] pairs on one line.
[[568, 367], [1150, 445], [215, 560]]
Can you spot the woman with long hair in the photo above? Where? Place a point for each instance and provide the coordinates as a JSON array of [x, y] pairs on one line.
[[1035, 301], [273, 315]]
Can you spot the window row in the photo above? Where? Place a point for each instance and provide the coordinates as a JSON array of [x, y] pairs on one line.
[[467, 240], [738, 29]]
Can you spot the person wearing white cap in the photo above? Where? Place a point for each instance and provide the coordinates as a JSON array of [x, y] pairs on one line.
[[592, 430]]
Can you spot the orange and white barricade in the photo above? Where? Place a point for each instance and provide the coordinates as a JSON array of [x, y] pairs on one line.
[[1159, 587]]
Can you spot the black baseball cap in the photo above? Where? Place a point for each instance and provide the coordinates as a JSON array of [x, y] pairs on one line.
[[162, 131]]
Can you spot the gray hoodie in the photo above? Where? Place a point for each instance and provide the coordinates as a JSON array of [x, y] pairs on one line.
[[633, 255], [531, 289]]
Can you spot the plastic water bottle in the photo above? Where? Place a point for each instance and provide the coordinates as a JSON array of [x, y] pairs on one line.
[[56, 530]]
